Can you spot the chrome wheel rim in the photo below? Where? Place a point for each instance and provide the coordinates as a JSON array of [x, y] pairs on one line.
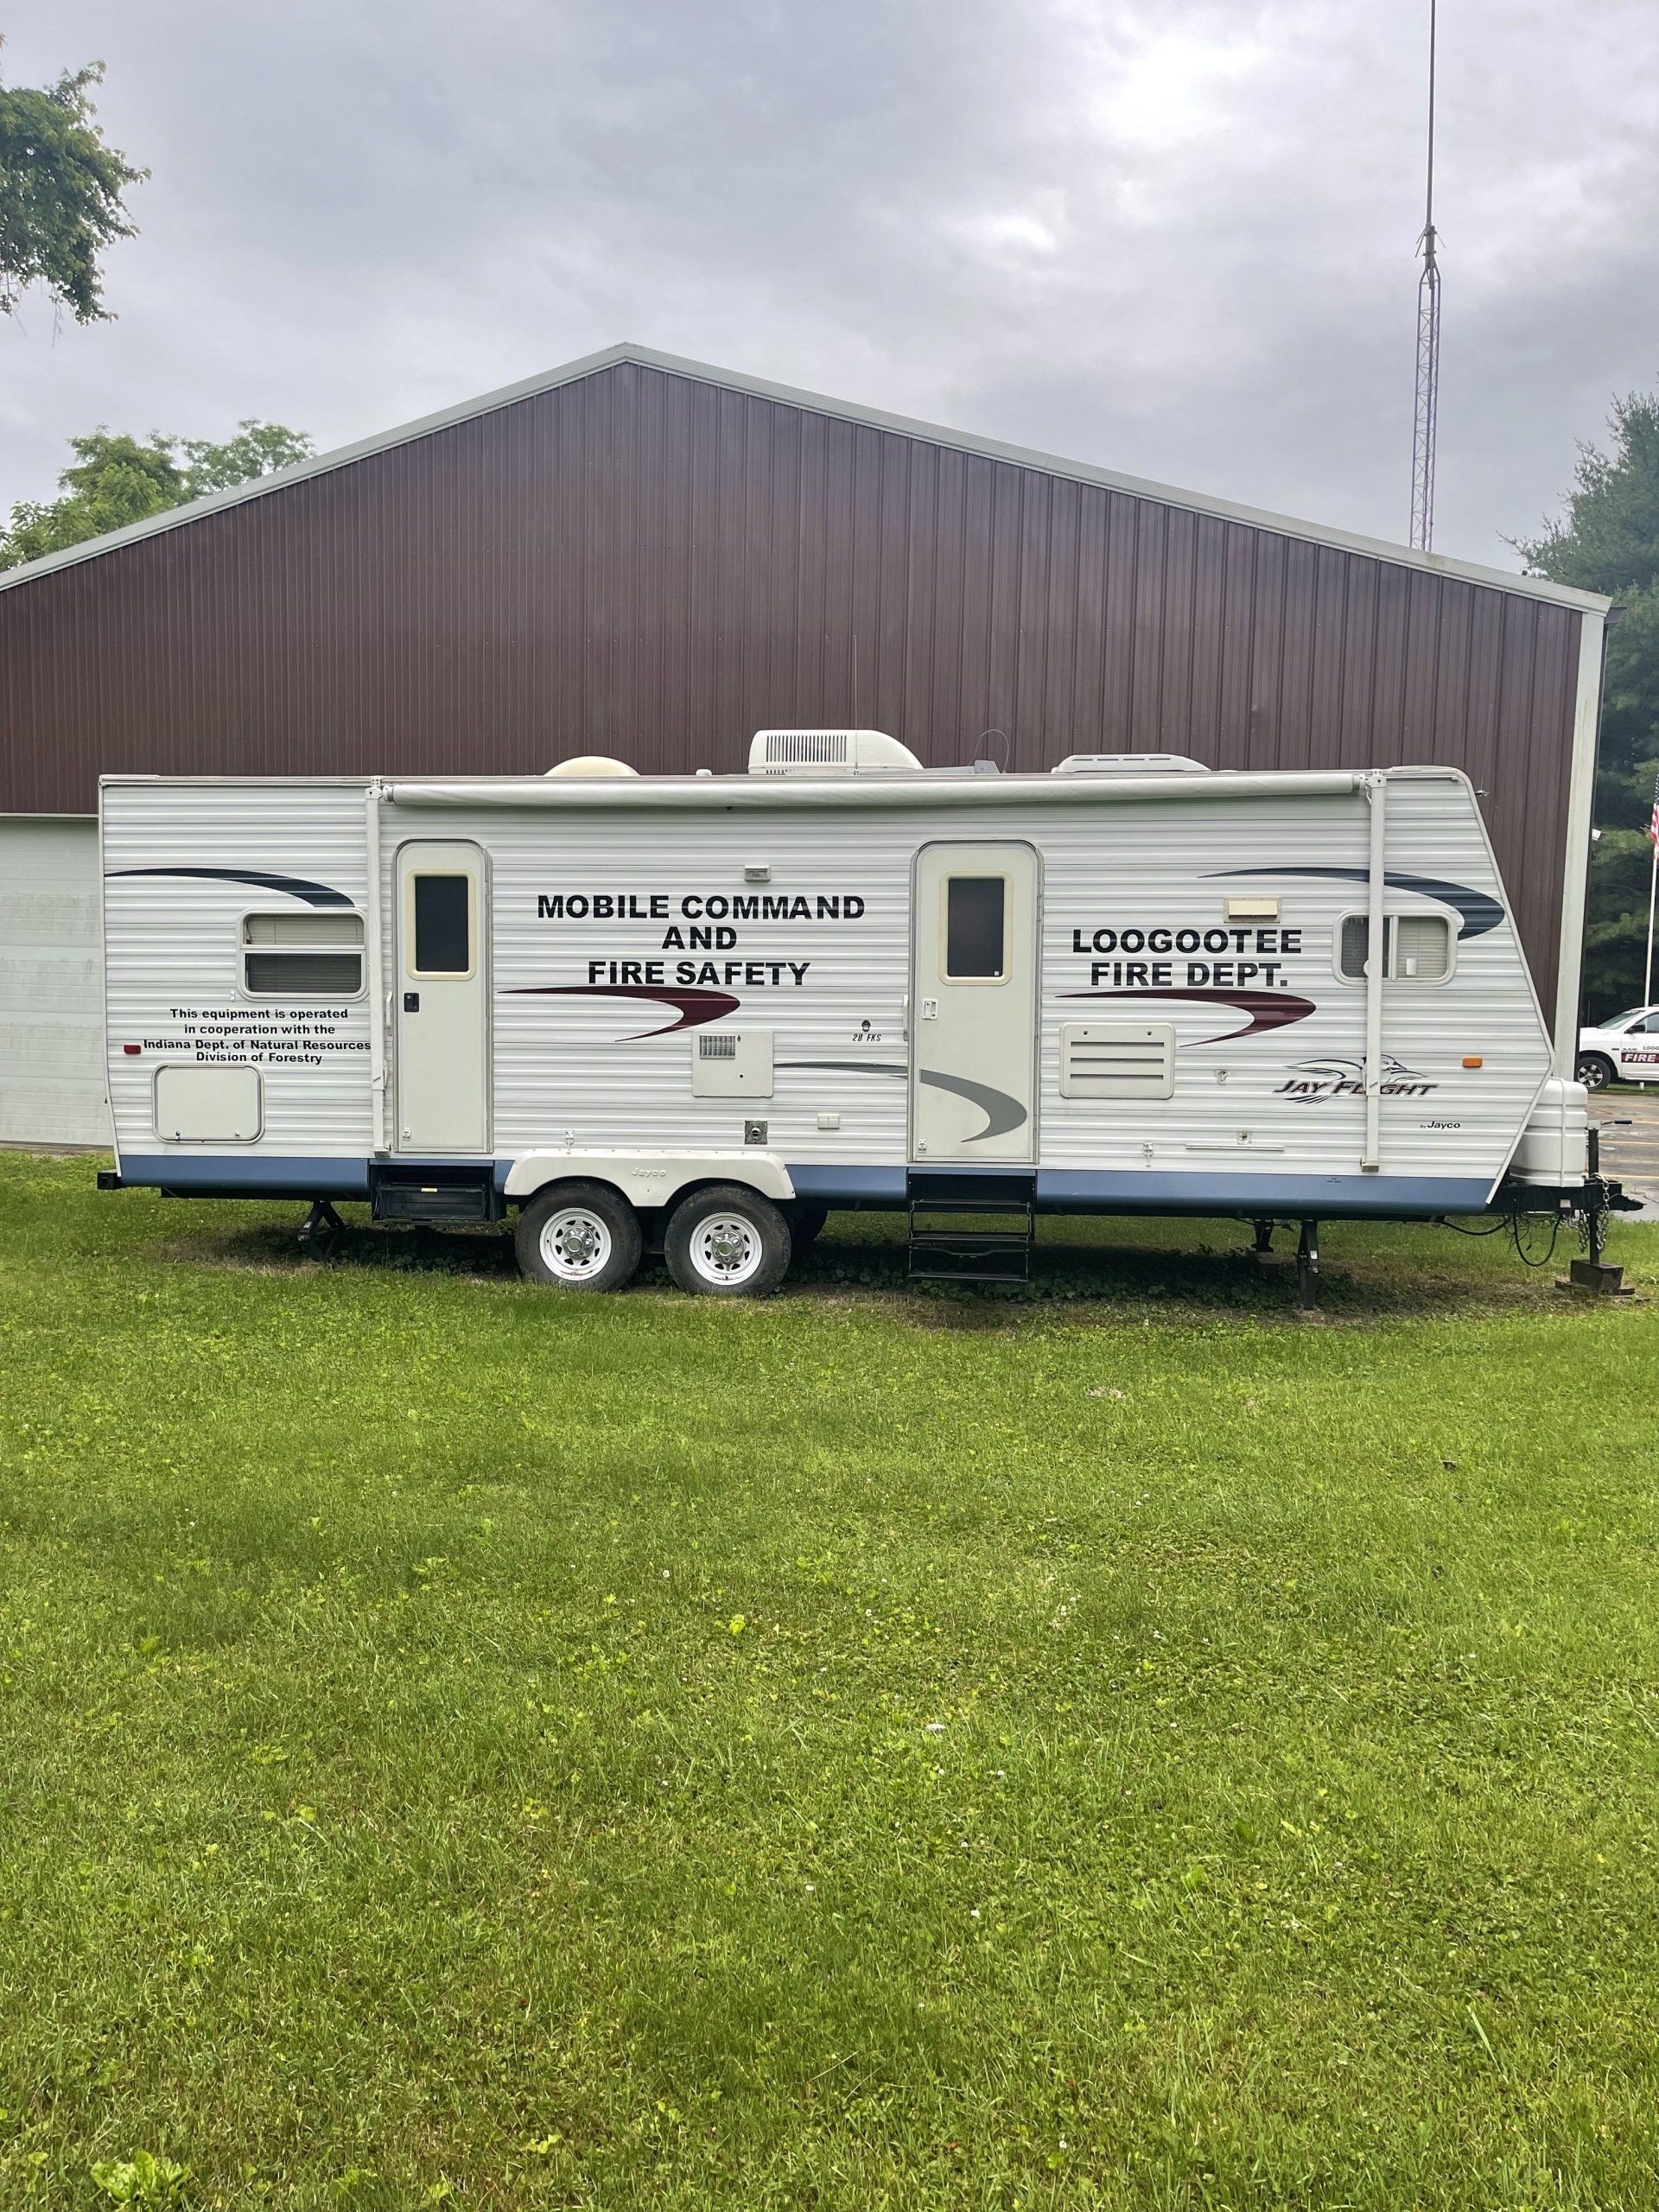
[[575, 1244], [726, 1248]]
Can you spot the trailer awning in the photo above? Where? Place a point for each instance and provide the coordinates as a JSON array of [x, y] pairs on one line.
[[745, 794]]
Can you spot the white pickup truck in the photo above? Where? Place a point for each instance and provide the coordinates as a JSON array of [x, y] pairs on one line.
[[1623, 1050]]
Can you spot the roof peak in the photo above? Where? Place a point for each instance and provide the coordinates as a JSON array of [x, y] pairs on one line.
[[627, 351]]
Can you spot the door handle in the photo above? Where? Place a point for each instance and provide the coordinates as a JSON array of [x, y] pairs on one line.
[[411, 1002]]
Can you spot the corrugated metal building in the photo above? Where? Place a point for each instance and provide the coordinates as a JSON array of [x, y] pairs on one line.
[[649, 556]]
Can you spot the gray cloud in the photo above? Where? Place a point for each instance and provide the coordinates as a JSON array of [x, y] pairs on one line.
[[1175, 239]]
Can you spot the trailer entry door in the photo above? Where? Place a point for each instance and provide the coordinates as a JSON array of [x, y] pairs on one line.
[[973, 1051], [441, 1002]]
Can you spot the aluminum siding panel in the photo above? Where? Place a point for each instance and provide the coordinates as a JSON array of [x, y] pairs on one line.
[[172, 956], [585, 1069]]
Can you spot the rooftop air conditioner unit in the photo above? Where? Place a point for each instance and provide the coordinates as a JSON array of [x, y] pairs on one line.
[[828, 752], [1130, 764]]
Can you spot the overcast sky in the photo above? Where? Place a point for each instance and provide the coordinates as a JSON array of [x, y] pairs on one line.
[[1175, 239]]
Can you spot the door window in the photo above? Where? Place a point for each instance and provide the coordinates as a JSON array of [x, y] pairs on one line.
[[975, 929], [443, 936]]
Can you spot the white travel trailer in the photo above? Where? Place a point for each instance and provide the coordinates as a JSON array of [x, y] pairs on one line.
[[705, 1009]]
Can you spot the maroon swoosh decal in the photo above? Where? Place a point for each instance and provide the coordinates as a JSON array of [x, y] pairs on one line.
[[692, 1008], [1267, 1009]]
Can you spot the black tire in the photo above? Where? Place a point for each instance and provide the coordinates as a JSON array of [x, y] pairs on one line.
[[578, 1236], [1595, 1071], [727, 1242], [806, 1225]]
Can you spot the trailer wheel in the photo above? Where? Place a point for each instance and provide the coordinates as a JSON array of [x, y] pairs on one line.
[[578, 1236], [1595, 1071], [727, 1242]]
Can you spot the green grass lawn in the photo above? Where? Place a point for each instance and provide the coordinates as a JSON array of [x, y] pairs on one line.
[[1128, 1747]]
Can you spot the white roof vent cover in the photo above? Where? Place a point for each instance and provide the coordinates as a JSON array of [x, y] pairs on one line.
[[828, 752], [592, 764], [1130, 764]]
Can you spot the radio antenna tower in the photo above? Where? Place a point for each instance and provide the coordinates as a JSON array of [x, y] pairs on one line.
[[1428, 345]]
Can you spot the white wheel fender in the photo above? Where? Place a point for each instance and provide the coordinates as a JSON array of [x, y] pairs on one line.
[[649, 1178]]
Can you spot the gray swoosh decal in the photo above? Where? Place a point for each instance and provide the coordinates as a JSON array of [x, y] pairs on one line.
[[849, 1067], [1001, 1113], [1479, 911]]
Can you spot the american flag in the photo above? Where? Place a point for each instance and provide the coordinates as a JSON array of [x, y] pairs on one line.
[[1653, 819]]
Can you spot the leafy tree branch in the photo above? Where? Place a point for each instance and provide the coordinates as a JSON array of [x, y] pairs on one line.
[[115, 479], [61, 194]]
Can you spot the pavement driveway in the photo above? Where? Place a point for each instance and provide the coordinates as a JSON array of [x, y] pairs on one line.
[[1628, 1120]]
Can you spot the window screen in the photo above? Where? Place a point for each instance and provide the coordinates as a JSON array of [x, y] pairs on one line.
[[974, 928], [1416, 948], [303, 955], [1356, 943], [442, 932]]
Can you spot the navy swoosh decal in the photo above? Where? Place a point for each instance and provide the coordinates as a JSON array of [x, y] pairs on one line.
[[1266, 1009], [297, 886], [691, 1008], [1001, 1113], [1479, 910]]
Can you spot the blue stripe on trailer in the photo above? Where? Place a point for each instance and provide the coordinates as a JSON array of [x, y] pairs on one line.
[[1088, 1190], [270, 1175], [847, 1186], [1059, 1190], [266, 1176], [1096, 1191]]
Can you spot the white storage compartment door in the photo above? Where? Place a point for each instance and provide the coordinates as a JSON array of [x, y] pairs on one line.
[[196, 1105]]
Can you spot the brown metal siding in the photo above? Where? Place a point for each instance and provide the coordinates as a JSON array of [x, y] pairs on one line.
[[646, 564]]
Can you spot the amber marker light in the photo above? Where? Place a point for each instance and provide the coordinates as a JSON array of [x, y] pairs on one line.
[[1472, 1060]]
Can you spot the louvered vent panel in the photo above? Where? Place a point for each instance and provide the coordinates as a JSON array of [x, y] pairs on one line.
[[732, 1063], [1116, 1059], [808, 748]]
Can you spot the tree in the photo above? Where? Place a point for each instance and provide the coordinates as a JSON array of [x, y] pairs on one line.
[[258, 449], [61, 189], [1608, 541], [115, 479]]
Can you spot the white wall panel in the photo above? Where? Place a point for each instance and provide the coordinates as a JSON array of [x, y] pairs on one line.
[[174, 945], [51, 982]]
